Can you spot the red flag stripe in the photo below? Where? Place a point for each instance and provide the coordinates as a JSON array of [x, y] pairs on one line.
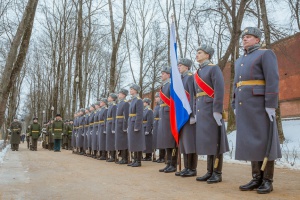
[[164, 98]]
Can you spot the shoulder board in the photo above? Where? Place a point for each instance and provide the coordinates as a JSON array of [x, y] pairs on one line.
[[210, 64], [149, 109], [125, 100], [138, 97], [190, 73]]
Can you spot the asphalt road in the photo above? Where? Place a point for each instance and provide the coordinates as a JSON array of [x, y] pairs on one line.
[[46, 174]]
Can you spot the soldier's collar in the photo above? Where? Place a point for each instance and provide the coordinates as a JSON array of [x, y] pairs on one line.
[[166, 81], [252, 48], [201, 65], [185, 73], [146, 107]]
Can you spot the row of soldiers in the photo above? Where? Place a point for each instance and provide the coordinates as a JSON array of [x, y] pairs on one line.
[[55, 134], [107, 126]]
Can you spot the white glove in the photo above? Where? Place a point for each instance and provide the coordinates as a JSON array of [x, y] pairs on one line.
[[146, 133], [96, 132], [82, 134], [62, 134], [271, 113], [104, 132], [125, 131], [136, 129], [113, 132], [234, 112], [91, 132], [192, 120], [218, 118], [52, 133]]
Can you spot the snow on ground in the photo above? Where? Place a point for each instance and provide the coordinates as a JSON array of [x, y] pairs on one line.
[[290, 148], [2, 151]]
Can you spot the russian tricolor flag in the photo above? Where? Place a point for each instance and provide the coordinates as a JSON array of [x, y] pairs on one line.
[[179, 104]]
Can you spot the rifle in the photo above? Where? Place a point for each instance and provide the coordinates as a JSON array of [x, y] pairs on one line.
[[270, 138], [218, 147]]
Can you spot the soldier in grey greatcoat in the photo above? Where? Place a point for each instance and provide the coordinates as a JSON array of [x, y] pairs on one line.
[[136, 136], [80, 131], [90, 130], [255, 98], [95, 129], [110, 126], [165, 139], [187, 135], [86, 131], [102, 129], [162, 152], [211, 138], [15, 128], [148, 126], [74, 132], [121, 137]]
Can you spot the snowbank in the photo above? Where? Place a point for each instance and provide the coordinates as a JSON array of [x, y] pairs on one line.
[[290, 147], [2, 151]]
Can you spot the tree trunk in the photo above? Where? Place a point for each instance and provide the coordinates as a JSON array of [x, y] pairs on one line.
[[15, 59]]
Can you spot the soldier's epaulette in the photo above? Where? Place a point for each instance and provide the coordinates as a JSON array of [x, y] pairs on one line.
[[138, 97], [190, 73], [149, 109], [211, 64]]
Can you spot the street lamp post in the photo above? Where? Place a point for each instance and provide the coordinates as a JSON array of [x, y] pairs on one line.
[[52, 109], [77, 90]]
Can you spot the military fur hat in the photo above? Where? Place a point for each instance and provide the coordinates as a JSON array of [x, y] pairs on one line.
[[82, 110], [252, 31], [167, 70], [35, 118], [135, 87], [147, 100], [113, 95], [93, 105], [104, 100], [186, 62], [15, 117], [207, 49], [98, 102], [124, 91], [157, 94], [58, 115], [88, 109]]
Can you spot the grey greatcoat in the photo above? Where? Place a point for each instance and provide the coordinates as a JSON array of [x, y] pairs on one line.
[[155, 126], [165, 138], [207, 129], [80, 132], [187, 135], [250, 101], [136, 139], [95, 131], [74, 132], [86, 131], [102, 129], [148, 126], [121, 125], [91, 125], [110, 127]]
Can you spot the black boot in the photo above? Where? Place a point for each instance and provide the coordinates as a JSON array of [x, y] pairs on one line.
[[148, 157], [217, 174], [103, 155], [133, 158], [162, 155], [124, 157], [267, 186], [192, 165], [256, 177], [173, 165], [185, 162], [210, 167], [138, 162], [112, 156]]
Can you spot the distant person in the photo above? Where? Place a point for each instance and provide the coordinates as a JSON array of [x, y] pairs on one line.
[[15, 133], [28, 136], [35, 133], [57, 130], [255, 98]]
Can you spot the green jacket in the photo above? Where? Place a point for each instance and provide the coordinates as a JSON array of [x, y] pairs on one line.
[[15, 128], [69, 130], [35, 130], [57, 129]]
